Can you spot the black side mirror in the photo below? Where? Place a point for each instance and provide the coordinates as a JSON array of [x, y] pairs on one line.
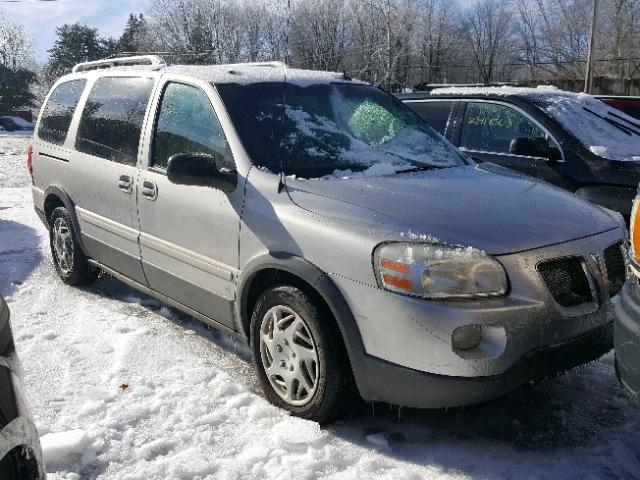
[[201, 170], [534, 147]]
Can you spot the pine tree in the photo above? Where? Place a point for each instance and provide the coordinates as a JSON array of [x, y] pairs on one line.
[[76, 43], [15, 89], [135, 32]]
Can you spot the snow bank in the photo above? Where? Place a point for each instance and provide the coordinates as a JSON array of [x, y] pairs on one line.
[[63, 448], [296, 431]]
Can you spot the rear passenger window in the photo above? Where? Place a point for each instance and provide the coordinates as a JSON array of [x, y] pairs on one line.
[[187, 123], [57, 114], [435, 113], [112, 118]]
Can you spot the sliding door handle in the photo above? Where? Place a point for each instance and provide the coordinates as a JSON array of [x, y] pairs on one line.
[[149, 190], [124, 183]]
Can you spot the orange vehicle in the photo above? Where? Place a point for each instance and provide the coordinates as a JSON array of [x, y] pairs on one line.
[[627, 313]]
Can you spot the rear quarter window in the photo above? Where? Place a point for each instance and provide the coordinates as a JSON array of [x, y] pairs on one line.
[[112, 118], [58, 112], [435, 113]]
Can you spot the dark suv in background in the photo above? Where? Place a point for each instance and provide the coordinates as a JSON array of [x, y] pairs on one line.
[[570, 140]]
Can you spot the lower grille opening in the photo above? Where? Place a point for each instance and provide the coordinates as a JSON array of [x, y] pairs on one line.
[[616, 268], [567, 281]]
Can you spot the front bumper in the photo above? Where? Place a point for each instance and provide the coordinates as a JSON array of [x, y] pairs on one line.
[[407, 356], [383, 381], [627, 337]]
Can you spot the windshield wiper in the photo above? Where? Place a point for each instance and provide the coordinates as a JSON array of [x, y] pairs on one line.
[[623, 128], [419, 168], [630, 124]]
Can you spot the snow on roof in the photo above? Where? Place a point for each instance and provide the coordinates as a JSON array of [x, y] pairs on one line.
[[247, 73], [503, 91], [241, 73]]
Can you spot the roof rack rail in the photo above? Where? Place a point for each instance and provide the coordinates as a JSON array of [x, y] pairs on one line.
[[154, 61]]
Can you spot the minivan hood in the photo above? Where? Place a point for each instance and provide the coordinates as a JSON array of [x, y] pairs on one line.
[[483, 206]]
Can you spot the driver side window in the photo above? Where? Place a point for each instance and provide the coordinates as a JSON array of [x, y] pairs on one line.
[[187, 123], [491, 128]]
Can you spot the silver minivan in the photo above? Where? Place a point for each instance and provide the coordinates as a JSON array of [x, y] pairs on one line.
[[322, 222]]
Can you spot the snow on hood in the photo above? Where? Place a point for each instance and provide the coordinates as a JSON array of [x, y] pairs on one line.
[[585, 117], [570, 109]]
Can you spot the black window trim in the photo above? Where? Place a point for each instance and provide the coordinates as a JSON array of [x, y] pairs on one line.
[[518, 109], [448, 127], [71, 127], [87, 93], [156, 118]]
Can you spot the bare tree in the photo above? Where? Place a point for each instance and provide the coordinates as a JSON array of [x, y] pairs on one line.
[[437, 39], [16, 48], [488, 31], [319, 34]]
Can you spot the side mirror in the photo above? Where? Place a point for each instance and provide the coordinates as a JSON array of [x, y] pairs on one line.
[[534, 147], [201, 170]]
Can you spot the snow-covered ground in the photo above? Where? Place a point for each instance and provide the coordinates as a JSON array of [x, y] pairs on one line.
[[122, 387]]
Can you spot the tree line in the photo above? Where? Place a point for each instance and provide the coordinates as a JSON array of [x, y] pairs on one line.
[[397, 44]]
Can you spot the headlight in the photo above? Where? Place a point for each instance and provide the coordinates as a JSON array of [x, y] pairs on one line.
[[438, 271]]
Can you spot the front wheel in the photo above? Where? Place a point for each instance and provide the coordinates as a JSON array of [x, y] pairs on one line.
[[298, 355], [68, 258]]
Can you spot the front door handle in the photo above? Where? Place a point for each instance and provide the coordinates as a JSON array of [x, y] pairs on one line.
[[149, 190], [124, 183]]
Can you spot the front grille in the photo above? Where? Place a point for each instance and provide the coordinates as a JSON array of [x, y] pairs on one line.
[[616, 268], [567, 281]]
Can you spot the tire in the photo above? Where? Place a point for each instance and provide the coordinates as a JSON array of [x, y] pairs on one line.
[[68, 258], [329, 397]]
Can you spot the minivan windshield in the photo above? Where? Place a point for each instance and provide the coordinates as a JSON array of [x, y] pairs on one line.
[[332, 129], [605, 131]]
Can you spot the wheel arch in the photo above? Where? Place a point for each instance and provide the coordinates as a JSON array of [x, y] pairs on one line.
[[55, 196], [279, 267]]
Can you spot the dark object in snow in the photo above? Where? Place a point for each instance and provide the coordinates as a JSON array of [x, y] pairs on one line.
[[20, 453]]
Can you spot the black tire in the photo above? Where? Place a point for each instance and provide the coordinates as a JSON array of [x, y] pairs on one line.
[[77, 270], [332, 394]]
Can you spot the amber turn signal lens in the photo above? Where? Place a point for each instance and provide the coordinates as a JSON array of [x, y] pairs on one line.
[[395, 266], [401, 283]]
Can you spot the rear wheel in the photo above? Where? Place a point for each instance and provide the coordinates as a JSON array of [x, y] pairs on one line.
[[68, 258], [298, 356]]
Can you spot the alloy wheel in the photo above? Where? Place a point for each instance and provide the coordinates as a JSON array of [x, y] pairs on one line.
[[289, 355], [63, 245]]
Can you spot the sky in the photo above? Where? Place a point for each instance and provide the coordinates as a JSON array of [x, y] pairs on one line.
[[41, 18]]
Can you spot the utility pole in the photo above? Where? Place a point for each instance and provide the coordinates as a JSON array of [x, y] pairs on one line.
[[588, 78]]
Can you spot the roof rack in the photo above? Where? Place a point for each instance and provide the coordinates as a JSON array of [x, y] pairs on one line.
[[154, 61]]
